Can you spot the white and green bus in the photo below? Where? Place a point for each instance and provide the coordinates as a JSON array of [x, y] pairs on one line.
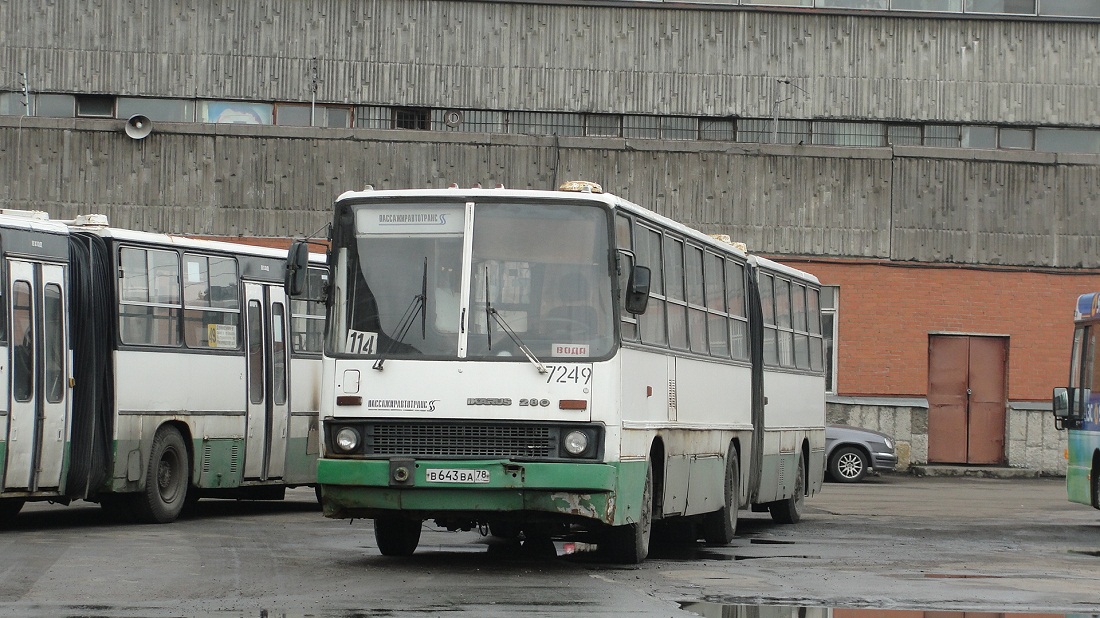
[[143, 371], [535, 362]]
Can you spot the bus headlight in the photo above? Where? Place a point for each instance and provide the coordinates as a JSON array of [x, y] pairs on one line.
[[576, 442], [347, 439]]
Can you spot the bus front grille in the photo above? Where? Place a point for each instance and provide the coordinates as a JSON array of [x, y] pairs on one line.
[[460, 440]]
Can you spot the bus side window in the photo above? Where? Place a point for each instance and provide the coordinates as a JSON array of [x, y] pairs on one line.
[[211, 302], [23, 354]]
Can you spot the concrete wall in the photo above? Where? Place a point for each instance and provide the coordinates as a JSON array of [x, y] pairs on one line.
[[1031, 441], [709, 61], [901, 204]]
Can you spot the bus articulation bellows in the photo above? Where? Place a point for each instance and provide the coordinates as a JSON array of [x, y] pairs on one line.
[[535, 362]]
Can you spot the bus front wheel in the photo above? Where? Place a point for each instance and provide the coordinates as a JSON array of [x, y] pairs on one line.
[[166, 478], [629, 544], [396, 536], [789, 510]]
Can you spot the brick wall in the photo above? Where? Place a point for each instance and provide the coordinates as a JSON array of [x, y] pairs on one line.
[[887, 310]]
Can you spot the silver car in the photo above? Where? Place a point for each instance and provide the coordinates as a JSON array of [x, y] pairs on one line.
[[852, 452]]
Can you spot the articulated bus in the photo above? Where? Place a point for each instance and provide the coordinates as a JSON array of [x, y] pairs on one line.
[[1077, 407], [533, 363], [143, 371]]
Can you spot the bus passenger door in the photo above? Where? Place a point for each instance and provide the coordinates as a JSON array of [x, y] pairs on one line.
[[38, 391], [268, 407]]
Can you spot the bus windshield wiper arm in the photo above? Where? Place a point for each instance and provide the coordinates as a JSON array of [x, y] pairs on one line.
[[406, 322], [492, 315], [519, 343]]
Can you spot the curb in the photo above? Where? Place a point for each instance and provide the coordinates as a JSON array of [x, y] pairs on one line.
[[989, 472]]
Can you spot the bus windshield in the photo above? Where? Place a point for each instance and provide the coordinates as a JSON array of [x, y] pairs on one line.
[[535, 275]]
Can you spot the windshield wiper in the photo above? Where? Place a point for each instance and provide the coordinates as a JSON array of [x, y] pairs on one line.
[[492, 315], [406, 322]]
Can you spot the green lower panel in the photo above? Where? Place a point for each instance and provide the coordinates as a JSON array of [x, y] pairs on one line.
[[219, 463], [607, 492], [301, 464], [1077, 485], [1082, 447]]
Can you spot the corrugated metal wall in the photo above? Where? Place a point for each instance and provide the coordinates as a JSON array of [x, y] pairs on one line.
[[483, 55], [903, 204]]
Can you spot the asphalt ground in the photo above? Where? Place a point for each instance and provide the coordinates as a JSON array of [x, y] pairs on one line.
[[894, 542]]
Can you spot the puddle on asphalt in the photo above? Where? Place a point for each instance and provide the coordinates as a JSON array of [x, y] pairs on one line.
[[710, 609], [1086, 552], [962, 576]]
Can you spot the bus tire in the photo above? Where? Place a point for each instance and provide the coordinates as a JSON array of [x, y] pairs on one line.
[[9, 508], [1094, 483], [166, 479], [629, 544], [789, 510], [396, 536], [720, 527]]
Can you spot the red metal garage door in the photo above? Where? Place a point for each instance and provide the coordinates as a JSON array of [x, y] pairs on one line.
[[966, 399]]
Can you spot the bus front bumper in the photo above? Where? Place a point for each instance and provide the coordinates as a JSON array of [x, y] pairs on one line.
[[434, 489]]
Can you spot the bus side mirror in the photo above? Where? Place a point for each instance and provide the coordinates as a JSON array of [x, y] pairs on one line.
[[297, 267], [1068, 405], [637, 290]]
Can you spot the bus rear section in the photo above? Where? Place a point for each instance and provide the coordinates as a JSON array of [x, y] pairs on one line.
[[190, 374]]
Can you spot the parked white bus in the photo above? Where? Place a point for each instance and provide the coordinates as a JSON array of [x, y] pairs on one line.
[[541, 361], [143, 371]]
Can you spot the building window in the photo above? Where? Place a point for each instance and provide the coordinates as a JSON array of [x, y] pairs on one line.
[[603, 125], [95, 106], [236, 112], [903, 135], [11, 104], [979, 137], [415, 118], [943, 136], [545, 123], [830, 327], [722, 130], [1010, 7], [873, 5], [1070, 8], [55, 105], [767, 131], [157, 110], [1082, 141], [867, 134], [947, 6], [1017, 139]]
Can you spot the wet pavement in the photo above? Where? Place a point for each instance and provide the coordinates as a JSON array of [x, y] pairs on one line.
[[897, 545]]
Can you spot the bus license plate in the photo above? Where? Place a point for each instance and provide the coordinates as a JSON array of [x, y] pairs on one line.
[[450, 475]]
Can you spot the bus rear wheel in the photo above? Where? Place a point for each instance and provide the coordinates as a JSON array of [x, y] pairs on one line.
[[166, 479], [720, 527], [9, 508], [396, 536], [629, 544], [789, 510], [1094, 481]]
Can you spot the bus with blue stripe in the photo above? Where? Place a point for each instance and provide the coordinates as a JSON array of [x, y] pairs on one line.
[[1077, 406]]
